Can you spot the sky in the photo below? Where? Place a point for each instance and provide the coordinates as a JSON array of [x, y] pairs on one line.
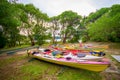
[[82, 7]]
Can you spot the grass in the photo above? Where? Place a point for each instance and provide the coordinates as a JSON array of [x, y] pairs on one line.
[[78, 74], [21, 67], [40, 70], [10, 60]]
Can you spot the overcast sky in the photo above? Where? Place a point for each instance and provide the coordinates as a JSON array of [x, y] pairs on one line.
[[82, 7]]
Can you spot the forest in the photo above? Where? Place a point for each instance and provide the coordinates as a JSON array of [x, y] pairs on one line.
[[25, 24]]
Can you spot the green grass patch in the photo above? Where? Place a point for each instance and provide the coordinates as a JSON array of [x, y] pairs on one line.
[[33, 68], [9, 60], [40, 70], [36, 70], [79, 74]]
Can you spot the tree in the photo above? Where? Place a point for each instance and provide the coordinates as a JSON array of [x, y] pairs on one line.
[[39, 34], [69, 21], [54, 27], [31, 18], [40, 27], [107, 27], [33, 21], [9, 22], [96, 15], [81, 32]]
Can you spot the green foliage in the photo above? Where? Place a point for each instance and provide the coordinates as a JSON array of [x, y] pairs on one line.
[[94, 16], [69, 17], [103, 25], [2, 40], [7, 15], [107, 27], [40, 39], [69, 20], [29, 8], [32, 21], [39, 34], [9, 22], [115, 9], [84, 39]]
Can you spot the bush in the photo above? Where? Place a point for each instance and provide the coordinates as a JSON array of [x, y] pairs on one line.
[[2, 42], [84, 39]]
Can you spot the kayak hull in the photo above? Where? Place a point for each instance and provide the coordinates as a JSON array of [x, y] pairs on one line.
[[88, 65]]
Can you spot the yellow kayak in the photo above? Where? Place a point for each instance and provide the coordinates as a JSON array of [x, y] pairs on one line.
[[81, 63]]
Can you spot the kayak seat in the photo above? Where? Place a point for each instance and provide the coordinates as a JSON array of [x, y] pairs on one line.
[[81, 55]]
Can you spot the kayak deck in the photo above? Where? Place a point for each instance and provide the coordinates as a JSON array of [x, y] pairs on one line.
[[82, 64]]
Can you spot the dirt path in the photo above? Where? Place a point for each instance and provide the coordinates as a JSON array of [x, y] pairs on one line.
[[12, 69]]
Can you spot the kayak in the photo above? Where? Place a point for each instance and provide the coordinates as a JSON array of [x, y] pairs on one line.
[[85, 62]]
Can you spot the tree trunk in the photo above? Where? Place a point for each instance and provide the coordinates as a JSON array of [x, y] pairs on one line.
[[32, 41], [53, 39], [64, 38], [19, 43]]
